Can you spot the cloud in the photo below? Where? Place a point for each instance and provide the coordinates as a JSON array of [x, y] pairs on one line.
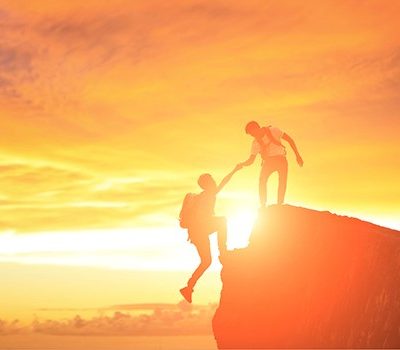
[[107, 91], [12, 327], [159, 320], [179, 320], [48, 198]]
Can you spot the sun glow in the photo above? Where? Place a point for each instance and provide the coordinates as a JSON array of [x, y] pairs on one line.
[[240, 225], [124, 249]]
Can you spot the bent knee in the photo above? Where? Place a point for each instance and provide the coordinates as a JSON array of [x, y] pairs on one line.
[[206, 262], [222, 221]]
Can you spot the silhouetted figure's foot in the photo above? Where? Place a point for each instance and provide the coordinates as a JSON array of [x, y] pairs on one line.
[[187, 294]]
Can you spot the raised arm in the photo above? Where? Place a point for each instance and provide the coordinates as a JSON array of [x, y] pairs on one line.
[[227, 178], [292, 144]]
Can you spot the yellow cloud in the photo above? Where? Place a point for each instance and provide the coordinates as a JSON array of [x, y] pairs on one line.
[[91, 94]]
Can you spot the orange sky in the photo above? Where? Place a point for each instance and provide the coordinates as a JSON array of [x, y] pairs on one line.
[[110, 110]]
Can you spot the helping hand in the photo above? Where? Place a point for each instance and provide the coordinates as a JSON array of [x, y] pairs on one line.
[[238, 167], [300, 161]]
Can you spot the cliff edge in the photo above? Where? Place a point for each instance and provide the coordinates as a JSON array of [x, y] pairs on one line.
[[311, 279]]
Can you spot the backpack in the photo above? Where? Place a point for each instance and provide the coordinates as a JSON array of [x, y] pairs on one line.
[[271, 138], [187, 214]]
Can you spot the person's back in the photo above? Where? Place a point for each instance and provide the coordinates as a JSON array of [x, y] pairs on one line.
[[203, 223], [271, 142], [206, 204]]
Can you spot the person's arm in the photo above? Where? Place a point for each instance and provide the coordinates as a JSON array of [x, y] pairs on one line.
[[228, 177], [292, 144], [249, 161]]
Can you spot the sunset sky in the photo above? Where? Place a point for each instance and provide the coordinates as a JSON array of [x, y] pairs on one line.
[[109, 111]]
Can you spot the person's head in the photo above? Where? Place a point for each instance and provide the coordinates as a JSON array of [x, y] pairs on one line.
[[253, 128], [206, 182]]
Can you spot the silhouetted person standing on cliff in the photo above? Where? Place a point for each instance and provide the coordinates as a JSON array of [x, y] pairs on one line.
[[267, 142], [197, 215]]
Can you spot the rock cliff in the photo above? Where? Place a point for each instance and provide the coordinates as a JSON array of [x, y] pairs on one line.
[[311, 279]]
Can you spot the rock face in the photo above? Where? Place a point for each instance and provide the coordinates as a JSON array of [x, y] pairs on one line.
[[311, 279]]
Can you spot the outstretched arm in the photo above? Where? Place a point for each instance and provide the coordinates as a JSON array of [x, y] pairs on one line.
[[249, 161], [292, 144], [227, 178]]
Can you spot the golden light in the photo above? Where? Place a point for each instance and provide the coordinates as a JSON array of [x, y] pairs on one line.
[[144, 249], [240, 225]]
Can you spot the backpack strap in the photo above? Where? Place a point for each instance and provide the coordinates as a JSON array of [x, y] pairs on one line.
[[263, 145], [271, 137]]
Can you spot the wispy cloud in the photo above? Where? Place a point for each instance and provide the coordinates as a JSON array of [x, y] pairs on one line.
[[160, 91], [49, 198]]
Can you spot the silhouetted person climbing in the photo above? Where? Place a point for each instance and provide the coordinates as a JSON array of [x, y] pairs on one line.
[[267, 142], [197, 215]]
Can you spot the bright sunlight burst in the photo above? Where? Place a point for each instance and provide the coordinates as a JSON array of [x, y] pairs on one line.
[[240, 225]]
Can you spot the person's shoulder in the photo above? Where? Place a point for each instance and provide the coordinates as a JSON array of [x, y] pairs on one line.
[[254, 144], [274, 128], [206, 195], [254, 141], [276, 131]]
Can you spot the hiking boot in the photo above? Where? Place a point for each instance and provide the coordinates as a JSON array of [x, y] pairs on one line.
[[187, 294]]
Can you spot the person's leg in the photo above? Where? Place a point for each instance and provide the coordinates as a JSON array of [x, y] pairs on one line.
[[203, 248], [266, 171], [282, 173], [220, 228]]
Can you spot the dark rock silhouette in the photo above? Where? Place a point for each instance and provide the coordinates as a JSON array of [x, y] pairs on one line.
[[311, 279]]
